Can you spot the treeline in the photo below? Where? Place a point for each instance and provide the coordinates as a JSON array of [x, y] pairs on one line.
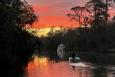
[[83, 39], [96, 31], [16, 44]]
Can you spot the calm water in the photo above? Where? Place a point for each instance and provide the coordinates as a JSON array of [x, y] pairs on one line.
[[42, 67]]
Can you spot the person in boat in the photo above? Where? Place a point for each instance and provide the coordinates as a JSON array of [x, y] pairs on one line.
[[74, 58]]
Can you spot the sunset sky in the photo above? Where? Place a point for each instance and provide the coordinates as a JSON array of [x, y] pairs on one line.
[[53, 12]]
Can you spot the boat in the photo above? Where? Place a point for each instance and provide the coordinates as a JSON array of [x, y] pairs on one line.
[[80, 65], [60, 50], [76, 62]]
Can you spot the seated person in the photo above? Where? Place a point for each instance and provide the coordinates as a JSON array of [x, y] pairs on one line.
[[74, 58]]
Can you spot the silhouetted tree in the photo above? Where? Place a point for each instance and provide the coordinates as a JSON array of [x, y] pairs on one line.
[[15, 43], [81, 14], [98, 10]]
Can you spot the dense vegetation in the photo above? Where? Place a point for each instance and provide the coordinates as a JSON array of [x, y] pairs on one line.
[[16, 45], [84, 39]]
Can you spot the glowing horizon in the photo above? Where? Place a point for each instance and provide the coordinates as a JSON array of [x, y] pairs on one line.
[[42, 32]]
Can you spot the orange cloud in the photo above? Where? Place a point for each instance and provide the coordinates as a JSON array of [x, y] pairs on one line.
[[46, 20], [38, 9], [55, 21], [112, 12], [50, 16]]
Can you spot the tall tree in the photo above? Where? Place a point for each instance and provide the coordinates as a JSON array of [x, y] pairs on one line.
[[15, 43], [80, 14], [94, 12], [99, 10]]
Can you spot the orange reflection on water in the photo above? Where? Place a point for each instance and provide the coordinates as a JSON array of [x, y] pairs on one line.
[[40, 61], [41, 67]]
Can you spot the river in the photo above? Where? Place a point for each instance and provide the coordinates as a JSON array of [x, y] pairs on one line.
[[43, 67]]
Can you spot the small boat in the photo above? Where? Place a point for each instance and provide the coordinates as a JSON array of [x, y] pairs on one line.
[[81, 65], [76, 62]]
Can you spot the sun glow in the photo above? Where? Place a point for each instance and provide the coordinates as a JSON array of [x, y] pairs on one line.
[[43, 32]]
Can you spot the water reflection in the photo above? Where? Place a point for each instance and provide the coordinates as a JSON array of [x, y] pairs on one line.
[[42, 67]]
